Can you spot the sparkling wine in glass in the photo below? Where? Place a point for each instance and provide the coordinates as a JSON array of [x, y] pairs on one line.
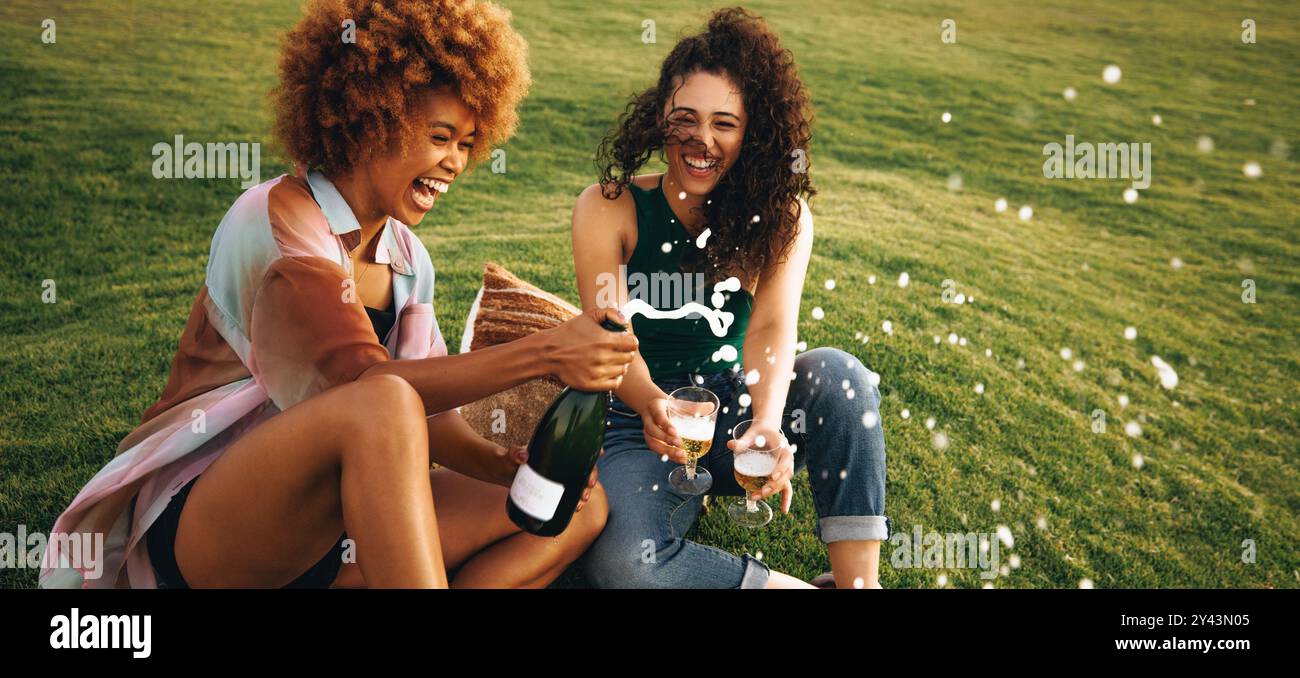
[[753, 465], [693, 411]]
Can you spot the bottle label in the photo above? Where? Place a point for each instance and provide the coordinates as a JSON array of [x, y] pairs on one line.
[[534, 494]]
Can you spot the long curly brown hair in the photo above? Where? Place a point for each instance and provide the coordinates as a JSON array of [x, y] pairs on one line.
[[765, 180], [339, 103]]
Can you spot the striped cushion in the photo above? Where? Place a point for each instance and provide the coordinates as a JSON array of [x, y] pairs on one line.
[[507, 309]]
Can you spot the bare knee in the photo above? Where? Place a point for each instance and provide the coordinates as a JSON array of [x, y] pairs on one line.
[[590, 522], [384, 415]]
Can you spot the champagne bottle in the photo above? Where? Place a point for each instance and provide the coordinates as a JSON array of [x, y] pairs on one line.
[[561, 454]]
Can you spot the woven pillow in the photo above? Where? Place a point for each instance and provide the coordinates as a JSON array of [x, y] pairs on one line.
[[505, 309]]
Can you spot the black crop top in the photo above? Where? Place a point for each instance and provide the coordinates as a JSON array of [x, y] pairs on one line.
[[382, 321]]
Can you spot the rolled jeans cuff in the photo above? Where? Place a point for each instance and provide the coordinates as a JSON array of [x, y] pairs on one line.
[[756, 573], [853, 528]]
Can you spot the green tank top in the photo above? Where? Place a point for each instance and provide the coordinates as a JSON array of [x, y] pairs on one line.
[[686, 344]]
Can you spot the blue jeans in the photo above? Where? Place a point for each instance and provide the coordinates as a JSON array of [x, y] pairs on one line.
[[643, 545]]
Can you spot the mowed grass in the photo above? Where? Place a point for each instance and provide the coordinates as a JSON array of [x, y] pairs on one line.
[[127, 252]]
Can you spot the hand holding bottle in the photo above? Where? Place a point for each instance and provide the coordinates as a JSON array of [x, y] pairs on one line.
[[589, 357], [507, 461]]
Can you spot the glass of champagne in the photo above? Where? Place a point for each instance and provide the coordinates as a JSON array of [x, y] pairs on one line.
[[693, 411], [753, 465]]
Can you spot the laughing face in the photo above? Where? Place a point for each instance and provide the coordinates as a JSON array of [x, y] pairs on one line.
[[705, 120], [406, 187]]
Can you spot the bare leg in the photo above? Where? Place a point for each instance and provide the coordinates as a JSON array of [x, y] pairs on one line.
[[780, 580], [856, 564], [278, 498], [485, 549]]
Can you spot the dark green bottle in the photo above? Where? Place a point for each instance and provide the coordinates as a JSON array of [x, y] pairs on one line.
[[561, 454]]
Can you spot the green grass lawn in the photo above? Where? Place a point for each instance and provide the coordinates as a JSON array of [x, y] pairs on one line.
[[127, 252]]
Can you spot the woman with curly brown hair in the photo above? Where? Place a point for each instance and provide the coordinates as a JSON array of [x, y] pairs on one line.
[[730, 118], [312, 388]]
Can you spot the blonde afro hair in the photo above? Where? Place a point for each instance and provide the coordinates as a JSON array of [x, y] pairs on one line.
[[339, 103]]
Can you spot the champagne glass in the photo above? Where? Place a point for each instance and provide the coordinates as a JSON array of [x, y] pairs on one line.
[[753, 465], [693, 411]]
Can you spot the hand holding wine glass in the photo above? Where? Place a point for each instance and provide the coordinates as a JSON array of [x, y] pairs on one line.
[[783, 473], [692, 414], [660, 434], [763, 464]]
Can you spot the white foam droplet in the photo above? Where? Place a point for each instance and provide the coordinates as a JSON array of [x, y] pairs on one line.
[[1157, 120], [1078, 366], [906, 413], [703, 238], [1168, 377], [1111, 74], [1066, 354], [1026, 212], [904, 279], [979, 388], [727, 352], [1000, 205], [929, 423], [946, 117], [751, 377], [681, 196], [870, 419], [1138, 461], [1130, 195], [1070, 93], [887, 326], [939, 440], [1252, 170], [871, 280], [818, 313], [1085, 583], [1130, 333], [1004, 536], [666, 247], [1205, 144], [1133, 429], [744, 400]]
